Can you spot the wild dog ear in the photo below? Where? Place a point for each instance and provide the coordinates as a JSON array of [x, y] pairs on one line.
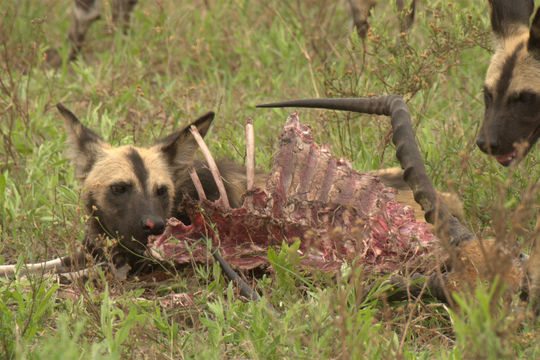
[[86, 146], [179, 147], [533, 45], [507, 17]]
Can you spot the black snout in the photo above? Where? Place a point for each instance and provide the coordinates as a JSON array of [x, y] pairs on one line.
[[153, 225], [487, 146], [482, 143]]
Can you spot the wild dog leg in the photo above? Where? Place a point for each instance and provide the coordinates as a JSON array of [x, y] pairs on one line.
[[85, 12], [360, 10], [121, 12], [408, 20]]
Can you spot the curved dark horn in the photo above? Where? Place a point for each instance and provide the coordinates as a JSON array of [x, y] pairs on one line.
[[447, 226]]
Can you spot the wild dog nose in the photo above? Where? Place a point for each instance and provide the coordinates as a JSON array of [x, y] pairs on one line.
[[487, 145], [481, 143], [153, 225]]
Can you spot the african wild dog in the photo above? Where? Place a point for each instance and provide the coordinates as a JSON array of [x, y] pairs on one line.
[[512, 88], [85, 12], [512, 97], [360, 10], [129, 192]]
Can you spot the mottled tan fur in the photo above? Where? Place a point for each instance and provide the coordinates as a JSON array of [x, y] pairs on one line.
[[526, 75]]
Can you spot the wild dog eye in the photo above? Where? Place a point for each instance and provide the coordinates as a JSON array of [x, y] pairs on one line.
[[120, 188], [526, 97], [162, 190], [487, 96]]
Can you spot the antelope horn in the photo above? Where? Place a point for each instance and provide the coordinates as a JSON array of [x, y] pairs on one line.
[[446, 225]]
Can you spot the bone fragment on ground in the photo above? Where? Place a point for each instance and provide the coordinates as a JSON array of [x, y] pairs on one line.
[[56, 265]]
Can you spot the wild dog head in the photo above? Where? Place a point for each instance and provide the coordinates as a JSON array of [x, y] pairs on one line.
[[512, 88], [129, 191]]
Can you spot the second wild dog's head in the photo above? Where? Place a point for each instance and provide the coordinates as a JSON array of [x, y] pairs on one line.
[[129, 191], [512, 86]]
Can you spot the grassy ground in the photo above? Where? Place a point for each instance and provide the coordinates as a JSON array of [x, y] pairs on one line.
[[182, 58]]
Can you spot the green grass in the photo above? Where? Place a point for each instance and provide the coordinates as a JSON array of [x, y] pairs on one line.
[[182, 58]]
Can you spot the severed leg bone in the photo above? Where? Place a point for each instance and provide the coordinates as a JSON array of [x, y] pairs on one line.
[[59, 265]]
